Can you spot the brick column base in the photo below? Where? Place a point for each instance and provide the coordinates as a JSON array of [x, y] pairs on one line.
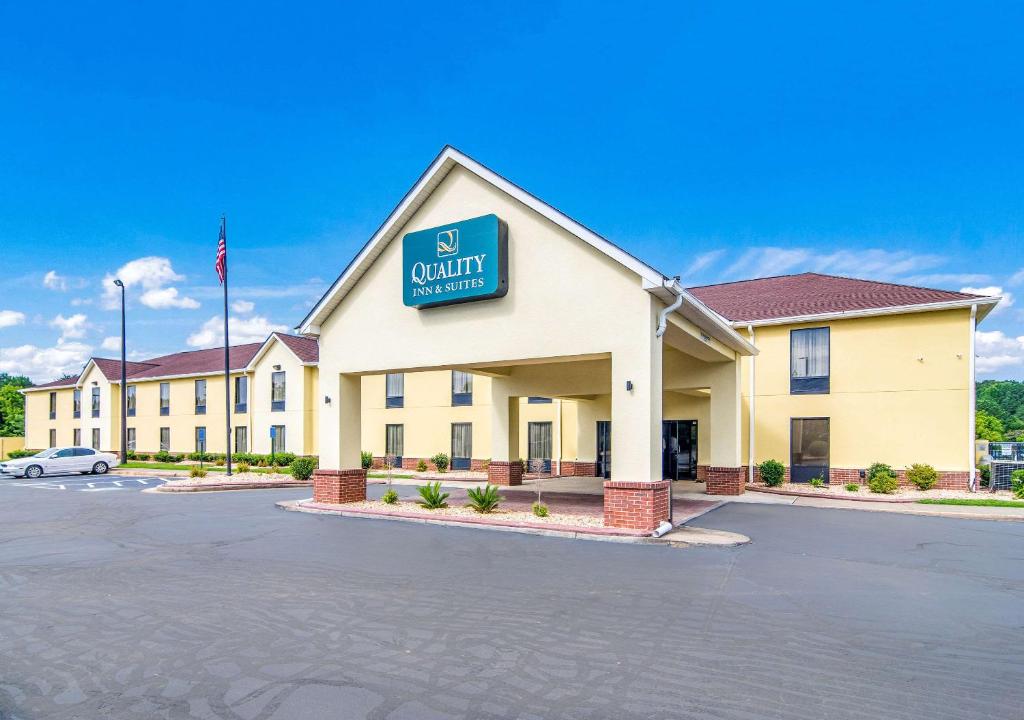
[[339, 486], [635, 505], [503, 472], [725, 480]]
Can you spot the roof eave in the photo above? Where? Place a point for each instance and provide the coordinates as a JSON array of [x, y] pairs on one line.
[[985, 306]]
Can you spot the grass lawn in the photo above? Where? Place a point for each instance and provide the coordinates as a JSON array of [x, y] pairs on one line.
[[981, 502], [176, 466], [394, 476]]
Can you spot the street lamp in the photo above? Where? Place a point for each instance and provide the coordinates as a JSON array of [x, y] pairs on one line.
[[124, 384]]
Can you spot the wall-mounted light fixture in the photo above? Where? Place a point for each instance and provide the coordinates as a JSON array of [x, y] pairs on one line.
[[327, 399], [277, 367], [629, 386], [95, 382]]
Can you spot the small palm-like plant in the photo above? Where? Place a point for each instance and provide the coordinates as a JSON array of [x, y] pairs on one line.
[[484, 499], [432, 497]]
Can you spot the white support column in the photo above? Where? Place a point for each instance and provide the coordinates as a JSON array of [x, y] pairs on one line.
[[349, 415], [328, 424], [636, 406], [726, 445], [504, 468]]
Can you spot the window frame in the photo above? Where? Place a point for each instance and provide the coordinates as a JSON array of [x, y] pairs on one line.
[[811, 384], [76, 403], [243, 405], [828, 458], [538, 400], [278, 405], [96, 439], [76, 437], [165, 446], [53, 406], [165, 401], [95, 402], [131, 400], [387, 438], [245, 434], [200, 409], [463, 398], [394, 401], [131, 439], [200, 445], [53, 437], [279, 440]]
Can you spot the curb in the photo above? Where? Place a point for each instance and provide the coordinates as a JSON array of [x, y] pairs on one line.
[[826, 496], [231, 486]]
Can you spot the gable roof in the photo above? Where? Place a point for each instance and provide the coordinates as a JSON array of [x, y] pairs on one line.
[[305, 349], [65, 383], [774, 300], [653, 281]]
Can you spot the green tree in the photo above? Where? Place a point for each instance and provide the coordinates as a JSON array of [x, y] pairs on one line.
[[987, 427], [12, 411]]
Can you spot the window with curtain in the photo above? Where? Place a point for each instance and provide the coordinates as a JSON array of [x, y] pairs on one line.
[[77, 437], [809, 361], [277, 443], [53, 438], [165, 439], [131, 439], [165, 398], [539, 446], [462, 446], [200, 439], [77, 407], [809, 449], [53, 406], [130, 400], [200, 398], [394, 390], [241, 395], [95, 438], [241, 439], [277, 390], [394, 440], [462, 388], [95, 402]]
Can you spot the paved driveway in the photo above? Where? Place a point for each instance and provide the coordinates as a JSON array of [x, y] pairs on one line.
[[134, 605], [77, 482]]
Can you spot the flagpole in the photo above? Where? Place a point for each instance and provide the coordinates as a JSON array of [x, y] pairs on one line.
[[227, 355]]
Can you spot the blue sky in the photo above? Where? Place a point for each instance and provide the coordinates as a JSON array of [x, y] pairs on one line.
[[714, 140]]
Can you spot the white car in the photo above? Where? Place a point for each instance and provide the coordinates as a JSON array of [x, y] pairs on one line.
[[60, 461]]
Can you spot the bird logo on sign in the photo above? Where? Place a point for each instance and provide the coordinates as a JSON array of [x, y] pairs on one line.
[[448, 242]]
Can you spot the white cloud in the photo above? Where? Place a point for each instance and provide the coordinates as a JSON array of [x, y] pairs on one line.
[[243, 330], [989, 291], [703, 261], [77, 302], [10, 318], [940, 279], [870, 263], [243, 307], [112, 343], [994, 350], [45, 364], [154, 275], [73, 327], [1017, 278], [53, 281], [164, 298]]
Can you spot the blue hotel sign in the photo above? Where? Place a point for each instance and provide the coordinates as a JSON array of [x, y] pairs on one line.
[[460, 262]]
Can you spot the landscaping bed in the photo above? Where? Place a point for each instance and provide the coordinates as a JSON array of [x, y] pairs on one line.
[[903, 494], [242, 481]]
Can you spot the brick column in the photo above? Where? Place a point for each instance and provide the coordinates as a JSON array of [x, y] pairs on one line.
[[339, 486], [635, 505], [725, 480], [503, 472]]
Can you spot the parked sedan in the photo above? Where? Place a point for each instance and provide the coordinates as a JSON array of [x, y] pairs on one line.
[[60, 461]]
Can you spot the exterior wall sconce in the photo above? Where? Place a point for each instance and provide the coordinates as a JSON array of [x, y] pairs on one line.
[[327, 399], [629, 386], [277, 367]]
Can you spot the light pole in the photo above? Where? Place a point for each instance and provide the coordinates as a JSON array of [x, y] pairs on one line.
[[124, 384]]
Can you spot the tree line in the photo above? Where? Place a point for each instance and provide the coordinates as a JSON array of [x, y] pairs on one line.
[[1000, 406]]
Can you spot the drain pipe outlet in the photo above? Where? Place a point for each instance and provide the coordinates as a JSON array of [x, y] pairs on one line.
[[662, 529], [669, 285]]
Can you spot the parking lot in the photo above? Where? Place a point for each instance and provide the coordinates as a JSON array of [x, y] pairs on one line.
[[77, 482], [217, 605]]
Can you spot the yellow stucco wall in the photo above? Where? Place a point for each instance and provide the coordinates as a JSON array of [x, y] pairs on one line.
[[899, 391]]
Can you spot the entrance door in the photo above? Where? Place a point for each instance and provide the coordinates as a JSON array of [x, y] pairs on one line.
[[679, 449], [539, 446], [604, 449], [808, 449], [394, 442], [462, 446]]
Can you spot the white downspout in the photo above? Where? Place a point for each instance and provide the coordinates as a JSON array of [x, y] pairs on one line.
[[971, 392], [751, 424], [669, 285]]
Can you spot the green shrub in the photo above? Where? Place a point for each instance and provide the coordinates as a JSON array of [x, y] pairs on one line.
[[390, 497], [284, 459], [366, 459], [302, 468], [143, 457], [163, 456], [772, 473], [877, 468], [1017, 483], [885, 483], [852, 487], [262, 462], [244, 467], [440, 462], [432, 497], [817, 482], [924, 476], [15, 454], [986, 475], [197, 472], [484, 499], [220, 462], [540, 509], [421, 465]]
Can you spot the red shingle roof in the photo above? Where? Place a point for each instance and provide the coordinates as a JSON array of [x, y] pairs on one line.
[[68, 382], [812, 294], [307, 349]]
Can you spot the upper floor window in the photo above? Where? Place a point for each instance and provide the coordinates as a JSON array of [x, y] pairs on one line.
[[394, 390], [809, 361], [277, 390], [53, 406], [77, 404], [537, 400], [200, 397], [131, 401], [165, 398], [241, 395], [462, 388], [95, 402]]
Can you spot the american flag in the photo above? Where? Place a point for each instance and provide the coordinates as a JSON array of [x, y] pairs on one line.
[[222, 255]]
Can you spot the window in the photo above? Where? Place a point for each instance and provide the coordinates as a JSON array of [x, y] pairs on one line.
[[241, 439], [77, 407], [539, 446], [77, 437], [95, 438], [53, 438], [536, 400], [394, 390], [277, 390], [462, 388], [65, 453], [131, 401], [82, 452], [462, 446], [165, 439], [241, 395], [808, 361], [53, 406], [95, 402], [394, 442], [131, 439], [200, 398], [200, 439], [165, 398], [809, 449], [277, 443]]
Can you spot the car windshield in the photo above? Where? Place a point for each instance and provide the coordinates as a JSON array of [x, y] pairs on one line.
[[46, 453]]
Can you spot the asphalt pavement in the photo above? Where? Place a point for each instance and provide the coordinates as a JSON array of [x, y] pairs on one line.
[[123, 604]]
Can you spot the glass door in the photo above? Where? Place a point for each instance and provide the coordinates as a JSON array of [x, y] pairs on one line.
[[809, 449], [604, 449], [679, 449]]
